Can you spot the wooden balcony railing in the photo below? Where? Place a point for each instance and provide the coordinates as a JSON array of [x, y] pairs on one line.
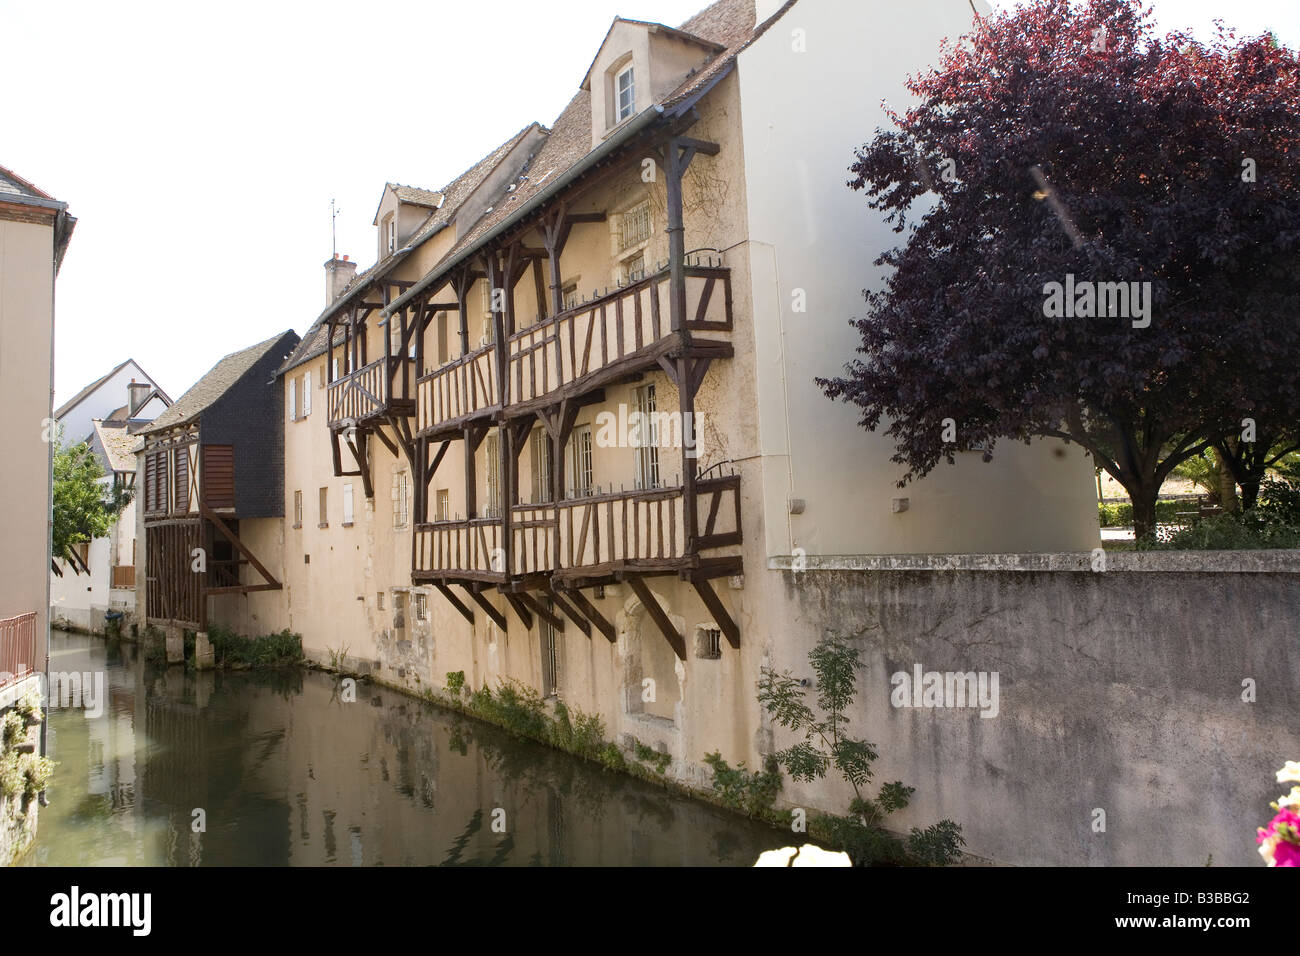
[[576, 348], [598, 535], [19, 653], [458, 390], [366, 392], [610, 332], [472, 548]]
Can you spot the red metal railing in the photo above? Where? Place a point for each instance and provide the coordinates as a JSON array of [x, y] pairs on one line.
[[18, 652]]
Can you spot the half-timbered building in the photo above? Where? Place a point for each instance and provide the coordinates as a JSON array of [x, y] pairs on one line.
[[211, 490], [566, 430]]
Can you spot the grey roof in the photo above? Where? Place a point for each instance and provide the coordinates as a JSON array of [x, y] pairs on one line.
[[214, 384], [118, 444], [454, 196], [14, 188]]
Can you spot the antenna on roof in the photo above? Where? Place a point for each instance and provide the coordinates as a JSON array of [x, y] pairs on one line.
[[334, 233]]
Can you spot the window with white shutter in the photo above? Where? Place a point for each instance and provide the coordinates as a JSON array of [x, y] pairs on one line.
[[306, 394]]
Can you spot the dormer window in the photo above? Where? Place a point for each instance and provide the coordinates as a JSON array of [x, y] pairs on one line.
[[390, 234], [624, 94]]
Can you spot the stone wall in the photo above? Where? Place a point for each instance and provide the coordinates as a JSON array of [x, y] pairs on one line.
[[1126, 691]]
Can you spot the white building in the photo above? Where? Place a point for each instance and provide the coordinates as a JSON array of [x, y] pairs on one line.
[[106, 414]]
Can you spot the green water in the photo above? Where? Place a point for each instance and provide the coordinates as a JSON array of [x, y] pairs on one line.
[[286, 773]]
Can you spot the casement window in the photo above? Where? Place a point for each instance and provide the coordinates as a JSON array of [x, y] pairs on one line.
[[347, 504], [324, 508], [401, 499], [338, 369], [634, 268], [493, 471], [442, 507], [569, 295], [624, 94], [390, 234], [297, 509], [550, 641], [306, 394], [647, 446], [540, 453], [581, 474], [293, 399], [636, 225], [379, 600], [444, 351]]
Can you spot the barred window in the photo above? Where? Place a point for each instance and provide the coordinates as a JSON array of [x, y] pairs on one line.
[[636, 225]]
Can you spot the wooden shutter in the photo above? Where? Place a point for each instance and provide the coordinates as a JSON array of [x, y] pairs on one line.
[[160, 473], [219, 476], [150, 483], [181, 495]]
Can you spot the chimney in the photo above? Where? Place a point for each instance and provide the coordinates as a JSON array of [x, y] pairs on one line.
[[338, 273], [137, 393]]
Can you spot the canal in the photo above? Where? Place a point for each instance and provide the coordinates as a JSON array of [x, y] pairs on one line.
[[280, 771]]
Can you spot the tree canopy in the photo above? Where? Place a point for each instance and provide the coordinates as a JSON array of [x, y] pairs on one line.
[[1069, 148], [84, 508]]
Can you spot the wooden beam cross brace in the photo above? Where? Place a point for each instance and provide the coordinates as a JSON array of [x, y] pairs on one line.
[[659, 616], [455, 602]]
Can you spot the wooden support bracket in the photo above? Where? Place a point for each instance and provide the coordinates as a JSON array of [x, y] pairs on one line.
[[497, 617], [719, 612], [455, 602], [521, 609], [593, 615], [658, 615]]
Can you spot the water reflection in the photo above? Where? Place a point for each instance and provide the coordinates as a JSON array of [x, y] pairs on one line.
[[281, 771]]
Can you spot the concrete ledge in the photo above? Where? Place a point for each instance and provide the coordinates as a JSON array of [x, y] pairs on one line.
[[1221, 562]]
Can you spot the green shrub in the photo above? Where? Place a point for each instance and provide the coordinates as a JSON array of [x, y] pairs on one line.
[[741, 789], [1279, 502], [13, 729], [648, 755], [1226, 532], [455, 682], [1120, 514], [270, 650]]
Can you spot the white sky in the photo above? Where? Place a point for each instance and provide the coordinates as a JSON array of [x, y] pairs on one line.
[[200, 144]]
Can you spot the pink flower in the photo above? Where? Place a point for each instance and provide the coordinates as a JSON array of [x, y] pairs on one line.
[[1280, 840]]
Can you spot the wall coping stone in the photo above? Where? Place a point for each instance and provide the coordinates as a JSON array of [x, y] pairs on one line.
[[1221, 562]]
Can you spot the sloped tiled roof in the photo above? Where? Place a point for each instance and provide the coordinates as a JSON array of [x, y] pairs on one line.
[[417, 196], [454, 196], [13, 186], [214, 384], [118, 444], [711, 45], [731, 24]]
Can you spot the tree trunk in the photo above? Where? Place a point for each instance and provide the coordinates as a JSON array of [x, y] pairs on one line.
[[1250, 491], [1144, 513], [1227, 483]]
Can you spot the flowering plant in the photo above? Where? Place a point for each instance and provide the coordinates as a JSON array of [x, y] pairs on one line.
[[1279, 842]]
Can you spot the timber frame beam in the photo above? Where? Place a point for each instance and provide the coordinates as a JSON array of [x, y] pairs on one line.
[[657, 614], [271, 583]]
